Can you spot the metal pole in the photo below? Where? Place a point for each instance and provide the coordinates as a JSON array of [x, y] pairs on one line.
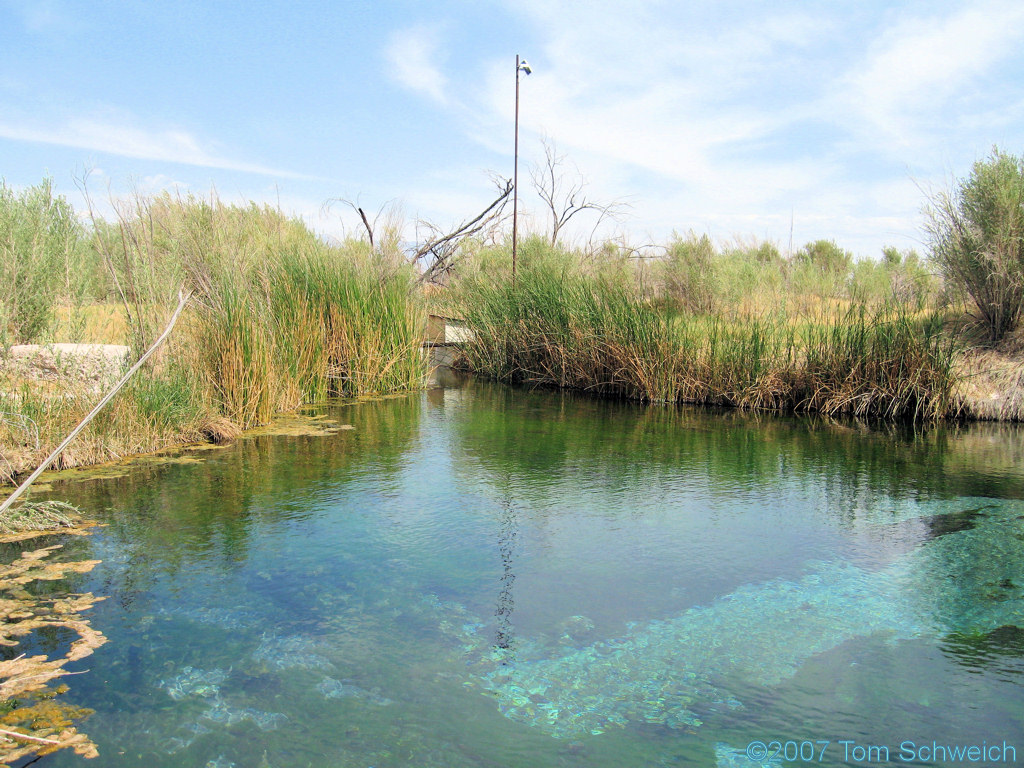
[[515, 180]]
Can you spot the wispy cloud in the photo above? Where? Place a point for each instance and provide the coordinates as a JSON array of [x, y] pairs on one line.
[[733, 117], [910, 76], [412, 56], [676, 104], [42, 15], [125, 140]]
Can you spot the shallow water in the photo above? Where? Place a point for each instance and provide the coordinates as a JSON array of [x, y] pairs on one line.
[[480, 576]]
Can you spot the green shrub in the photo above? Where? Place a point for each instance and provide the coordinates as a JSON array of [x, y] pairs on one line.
[[976, 236], [40, 240], [825, 256], [689, 275]]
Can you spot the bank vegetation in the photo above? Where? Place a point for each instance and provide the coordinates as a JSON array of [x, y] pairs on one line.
[[280, 316]]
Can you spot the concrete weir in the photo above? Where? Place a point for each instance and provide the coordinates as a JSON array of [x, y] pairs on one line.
[[94, 363], [445, 335]]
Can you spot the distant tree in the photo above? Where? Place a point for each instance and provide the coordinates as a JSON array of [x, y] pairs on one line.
[[564, 192], [828, 257], [688, 273], [40, 237], [892, 256]]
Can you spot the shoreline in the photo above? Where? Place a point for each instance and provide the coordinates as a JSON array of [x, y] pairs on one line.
[[991, 390]]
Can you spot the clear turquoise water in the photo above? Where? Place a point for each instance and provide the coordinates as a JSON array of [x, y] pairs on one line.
[[480, 576]]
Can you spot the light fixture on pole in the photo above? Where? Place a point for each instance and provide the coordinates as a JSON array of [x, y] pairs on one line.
[[521, 66]]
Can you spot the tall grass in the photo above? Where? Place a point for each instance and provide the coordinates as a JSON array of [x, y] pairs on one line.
[[281, 317], [560, 326], [278, 318], [40, 260]]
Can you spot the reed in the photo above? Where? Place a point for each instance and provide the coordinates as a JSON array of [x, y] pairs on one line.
[[281, 318], [559, 326]]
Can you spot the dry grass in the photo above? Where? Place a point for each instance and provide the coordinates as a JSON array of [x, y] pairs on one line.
[[89, 323], [147, 416], [991, 384]]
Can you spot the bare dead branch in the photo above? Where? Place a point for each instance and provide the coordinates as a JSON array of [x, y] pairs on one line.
[[369, 229], [564, 193], [443, 247]]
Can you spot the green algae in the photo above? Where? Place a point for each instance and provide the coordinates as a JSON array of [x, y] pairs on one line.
[[40, 724]]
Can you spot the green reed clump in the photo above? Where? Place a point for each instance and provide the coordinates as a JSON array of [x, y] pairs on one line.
[[355, 326], [560, 326], [892, 362], [279, 317]]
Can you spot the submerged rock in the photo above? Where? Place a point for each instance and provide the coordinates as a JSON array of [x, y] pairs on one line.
[[290, 652], [576, 630], [232, 619], [224, 714], [663, 672], [339, 689], [192, 681]]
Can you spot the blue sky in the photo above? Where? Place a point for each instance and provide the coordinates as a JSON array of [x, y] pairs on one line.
[[733, 119]]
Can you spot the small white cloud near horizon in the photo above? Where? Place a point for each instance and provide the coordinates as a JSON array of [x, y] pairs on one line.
[[412, 55]]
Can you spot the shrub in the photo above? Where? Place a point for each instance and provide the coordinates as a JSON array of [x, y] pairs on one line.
[[39, 239], [822, 269], [976, 235], [688, 276]]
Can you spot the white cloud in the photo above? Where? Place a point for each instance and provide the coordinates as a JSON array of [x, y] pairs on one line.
[[413, 55], [122, 139], [728, 117], [909, 77], [630, 93]]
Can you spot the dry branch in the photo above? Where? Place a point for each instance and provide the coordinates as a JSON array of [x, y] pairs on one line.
[[443, 247]]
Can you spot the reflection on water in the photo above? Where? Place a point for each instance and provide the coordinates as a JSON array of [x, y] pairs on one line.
[[481, 576], [509, 529]]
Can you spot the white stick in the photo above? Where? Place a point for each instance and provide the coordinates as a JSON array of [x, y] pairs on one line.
[[26, 737], [182, 300]]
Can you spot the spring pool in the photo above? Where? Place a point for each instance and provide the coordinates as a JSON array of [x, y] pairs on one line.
[[481, 576]]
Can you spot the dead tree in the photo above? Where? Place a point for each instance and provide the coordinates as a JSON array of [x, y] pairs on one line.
[[564, 193], [384, 231], [439, 251]]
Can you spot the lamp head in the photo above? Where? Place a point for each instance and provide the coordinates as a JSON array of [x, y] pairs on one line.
[[525, 67]]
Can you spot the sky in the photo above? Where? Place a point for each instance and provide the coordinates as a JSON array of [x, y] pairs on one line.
[[743, 120]]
